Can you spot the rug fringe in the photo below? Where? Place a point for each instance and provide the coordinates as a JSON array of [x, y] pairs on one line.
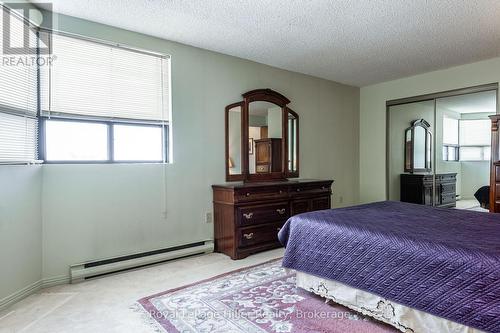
[[146, 318]]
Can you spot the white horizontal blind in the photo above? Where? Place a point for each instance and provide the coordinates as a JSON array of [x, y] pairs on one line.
[[475, 132], [100, 80], [18, 93], [450, 131], [18, 80], [18, 138]]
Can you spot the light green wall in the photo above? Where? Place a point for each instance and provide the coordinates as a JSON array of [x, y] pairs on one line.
[[373, 114], [20, 228], [99, 211]]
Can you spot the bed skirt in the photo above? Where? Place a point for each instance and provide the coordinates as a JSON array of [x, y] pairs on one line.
[[403, 318]]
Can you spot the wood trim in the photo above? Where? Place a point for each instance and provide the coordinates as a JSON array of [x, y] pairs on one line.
[[267, 95], [494, 162]]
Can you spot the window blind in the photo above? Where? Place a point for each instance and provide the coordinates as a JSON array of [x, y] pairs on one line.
[[18, 92], [450, 131], [93, 79], [475, 132]]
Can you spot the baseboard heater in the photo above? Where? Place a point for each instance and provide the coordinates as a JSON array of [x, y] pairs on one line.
[[80, 272]]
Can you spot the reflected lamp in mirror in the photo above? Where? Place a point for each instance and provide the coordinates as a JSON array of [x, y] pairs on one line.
[[418, 147]]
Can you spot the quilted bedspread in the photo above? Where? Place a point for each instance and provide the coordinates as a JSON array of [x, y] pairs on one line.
[[442, 261]]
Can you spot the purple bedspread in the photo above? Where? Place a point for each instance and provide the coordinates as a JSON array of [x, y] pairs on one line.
[[442, 261]]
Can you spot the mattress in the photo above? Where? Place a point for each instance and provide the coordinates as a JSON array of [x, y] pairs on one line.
[[445, 262]]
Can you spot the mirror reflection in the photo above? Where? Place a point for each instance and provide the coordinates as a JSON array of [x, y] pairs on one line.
[[292, 142], [234, 144], [265, 122], [419, 153], [418, 143]]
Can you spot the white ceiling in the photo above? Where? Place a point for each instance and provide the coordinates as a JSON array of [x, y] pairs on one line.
[[350, 41], [483, 102]]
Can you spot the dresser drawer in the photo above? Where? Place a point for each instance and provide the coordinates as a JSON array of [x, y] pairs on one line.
[[451, 178], [258, 214], [307, 189], [259, 235], [256, 194], [321, 203], [448, 198], [448, 188], [262, 168]]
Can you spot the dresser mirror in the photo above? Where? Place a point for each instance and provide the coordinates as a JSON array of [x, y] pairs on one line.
[[262, 141], [265, 138], [234, 114], [418, 147], [293, 144]]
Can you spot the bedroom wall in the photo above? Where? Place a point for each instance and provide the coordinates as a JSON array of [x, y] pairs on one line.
[[373, 114], [20, 229], [97, 211]]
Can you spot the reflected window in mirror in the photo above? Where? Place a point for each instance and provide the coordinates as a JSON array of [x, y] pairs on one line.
[[265, 134]]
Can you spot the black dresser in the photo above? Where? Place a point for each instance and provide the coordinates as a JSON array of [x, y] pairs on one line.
[[419, 189]]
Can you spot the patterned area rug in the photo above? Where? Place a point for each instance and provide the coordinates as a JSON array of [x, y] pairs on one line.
[[261, 298]]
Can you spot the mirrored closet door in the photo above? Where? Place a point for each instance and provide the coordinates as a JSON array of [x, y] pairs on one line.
[[439, 148]]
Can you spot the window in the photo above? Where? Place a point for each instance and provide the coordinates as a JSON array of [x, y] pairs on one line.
[[76, 141], [18, 98], [475, 140], [117, 101], [450, 139], [142, 143]]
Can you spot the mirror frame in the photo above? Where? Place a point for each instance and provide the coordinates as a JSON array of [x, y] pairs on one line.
[[264, 95], [428, 145]]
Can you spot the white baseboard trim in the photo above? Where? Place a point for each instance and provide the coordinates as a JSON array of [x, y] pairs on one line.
[[20, 294], [31, 289], [55, 281]]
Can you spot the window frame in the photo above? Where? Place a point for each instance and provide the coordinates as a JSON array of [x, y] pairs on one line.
[[457, 152], [42, 144]]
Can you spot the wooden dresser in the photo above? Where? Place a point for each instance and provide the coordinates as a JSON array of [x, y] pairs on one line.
[[268, 155], [419, 189], [248, 216]]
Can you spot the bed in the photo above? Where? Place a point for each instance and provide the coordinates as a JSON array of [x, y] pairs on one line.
[[418, 268]]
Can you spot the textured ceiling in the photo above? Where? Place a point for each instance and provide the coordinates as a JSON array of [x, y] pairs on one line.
[[350, 41], [471, 103]]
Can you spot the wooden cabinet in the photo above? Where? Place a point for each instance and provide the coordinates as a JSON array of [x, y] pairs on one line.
[[248, 216], [419, 189], [268, 155]]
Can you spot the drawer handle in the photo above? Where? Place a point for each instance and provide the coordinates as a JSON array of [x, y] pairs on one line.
[[281, 191], [323, 188], [248, 236], [281, 211], [248, 194], [248, 216], [298, 190]]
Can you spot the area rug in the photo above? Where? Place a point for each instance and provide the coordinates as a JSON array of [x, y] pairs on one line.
[[261, 298]]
